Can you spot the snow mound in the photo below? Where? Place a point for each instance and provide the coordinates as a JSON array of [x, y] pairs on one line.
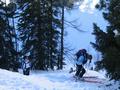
[[14, 81]]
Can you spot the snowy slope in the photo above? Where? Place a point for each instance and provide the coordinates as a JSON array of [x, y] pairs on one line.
[[49, 80], [14, 81]]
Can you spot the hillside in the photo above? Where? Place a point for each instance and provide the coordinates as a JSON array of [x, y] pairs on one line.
[[49, 80]]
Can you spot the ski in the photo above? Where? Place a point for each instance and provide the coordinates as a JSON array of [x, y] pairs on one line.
[[90, 79]]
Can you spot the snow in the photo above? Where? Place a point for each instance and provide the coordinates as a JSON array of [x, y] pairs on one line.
[[51, 80]]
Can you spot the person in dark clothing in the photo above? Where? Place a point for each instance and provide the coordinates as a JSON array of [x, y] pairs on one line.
[[26, 65], [82, 58]]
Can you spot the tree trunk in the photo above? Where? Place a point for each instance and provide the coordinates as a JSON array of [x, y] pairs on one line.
[[62, 35]]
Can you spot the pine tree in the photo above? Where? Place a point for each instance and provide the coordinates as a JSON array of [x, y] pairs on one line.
[[8, 52], [38, 27], [108, 42], [3, 61]]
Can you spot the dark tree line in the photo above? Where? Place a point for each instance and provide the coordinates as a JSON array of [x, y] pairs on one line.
[[108, 42], [40, 29]]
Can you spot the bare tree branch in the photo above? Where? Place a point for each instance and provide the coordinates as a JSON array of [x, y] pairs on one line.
[[76, 27]]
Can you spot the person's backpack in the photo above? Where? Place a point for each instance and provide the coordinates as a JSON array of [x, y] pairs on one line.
[[85, 61], [80, 52], [85, 58]]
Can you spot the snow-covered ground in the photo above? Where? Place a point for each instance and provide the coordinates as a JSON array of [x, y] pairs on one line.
[[50, 80]]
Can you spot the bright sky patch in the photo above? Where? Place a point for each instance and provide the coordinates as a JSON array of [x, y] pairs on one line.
[[88, 6]]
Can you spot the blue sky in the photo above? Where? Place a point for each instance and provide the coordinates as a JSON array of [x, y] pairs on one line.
[[86, 15]]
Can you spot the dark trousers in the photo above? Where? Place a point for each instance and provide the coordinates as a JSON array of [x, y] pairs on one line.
[[80, 71], [26, 71]]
